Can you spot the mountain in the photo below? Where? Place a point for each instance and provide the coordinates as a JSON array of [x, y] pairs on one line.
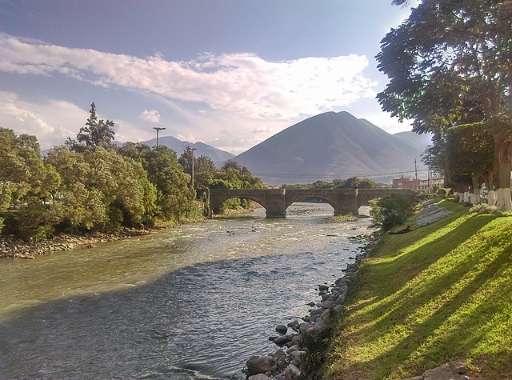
[[418, 142], [327, 146], [216, 155]]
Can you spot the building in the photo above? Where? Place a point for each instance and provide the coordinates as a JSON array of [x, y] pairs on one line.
[[406, 183], [430, 184]]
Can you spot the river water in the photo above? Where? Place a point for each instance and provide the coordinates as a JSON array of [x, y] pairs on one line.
[[193, 302]]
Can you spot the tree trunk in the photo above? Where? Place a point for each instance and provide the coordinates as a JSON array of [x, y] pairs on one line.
[[503, 168], [460, 191], [491, 191], [474, 198]]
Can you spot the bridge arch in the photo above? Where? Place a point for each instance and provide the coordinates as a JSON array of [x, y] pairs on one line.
[[312, 198], [217, 205]]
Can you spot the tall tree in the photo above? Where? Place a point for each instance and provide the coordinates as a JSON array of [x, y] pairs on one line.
[[450, 63], [96, 132]]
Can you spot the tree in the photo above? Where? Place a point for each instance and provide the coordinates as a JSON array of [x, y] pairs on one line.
[[27, 185], [186, 159], [95, 133], [174, 196], [449, 64], [470, 158]]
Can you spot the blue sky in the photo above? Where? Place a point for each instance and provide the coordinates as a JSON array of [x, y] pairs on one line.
[[229, 73]]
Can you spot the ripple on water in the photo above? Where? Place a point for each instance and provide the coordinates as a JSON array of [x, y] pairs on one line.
[[214, 302]]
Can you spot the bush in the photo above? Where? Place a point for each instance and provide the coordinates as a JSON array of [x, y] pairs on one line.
[[392, 210]]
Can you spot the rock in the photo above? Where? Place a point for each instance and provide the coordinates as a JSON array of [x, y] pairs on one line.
[[281, 361], [281, 329], [292, 372], [294, 325], [259, 376], [310, 304], [259, 364], [281, 340], [323, 287], [297, 357], [448, 371]]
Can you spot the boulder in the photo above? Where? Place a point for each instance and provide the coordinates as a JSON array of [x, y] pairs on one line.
[[281, 340], [297, 357], [281, 329], [259, 376], [294, 325], [259, 364], [292, 372]]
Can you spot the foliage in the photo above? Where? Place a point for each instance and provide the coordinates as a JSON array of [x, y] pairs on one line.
[[391, 210], [436, 294], [204, 169], [174, 195], [234, 176], [349, 183], [95, 133], [449, 65]]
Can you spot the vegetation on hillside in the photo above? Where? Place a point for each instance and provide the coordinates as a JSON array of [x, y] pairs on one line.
[[435, 294], [392, 210], [89, 184]]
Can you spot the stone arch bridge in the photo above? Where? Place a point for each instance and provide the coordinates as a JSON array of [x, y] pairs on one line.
[[276, 201]]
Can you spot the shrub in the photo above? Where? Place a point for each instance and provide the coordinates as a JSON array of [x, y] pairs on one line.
[[392, 210]]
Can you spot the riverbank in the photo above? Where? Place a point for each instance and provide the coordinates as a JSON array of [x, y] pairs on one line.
[[433, 295], [302, 342], [11, 247]]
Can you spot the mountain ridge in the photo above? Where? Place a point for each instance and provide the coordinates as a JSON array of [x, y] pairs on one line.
[[327, 146], [218, 156]]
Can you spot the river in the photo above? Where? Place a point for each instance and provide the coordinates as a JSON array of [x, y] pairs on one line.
[[194, 302]]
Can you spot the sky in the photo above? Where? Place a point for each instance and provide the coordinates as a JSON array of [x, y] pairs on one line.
[[229, 73]]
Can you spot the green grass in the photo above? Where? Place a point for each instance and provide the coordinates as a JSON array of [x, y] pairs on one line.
[[436, 294]]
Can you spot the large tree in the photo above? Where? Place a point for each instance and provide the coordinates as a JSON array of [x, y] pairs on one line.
[[450, 63]]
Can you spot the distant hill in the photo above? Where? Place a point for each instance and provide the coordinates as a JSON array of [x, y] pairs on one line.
[[327, 146], [418, 142], [218, 156]]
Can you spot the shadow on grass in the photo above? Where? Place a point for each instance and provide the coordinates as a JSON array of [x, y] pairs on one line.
[[448, 347], [401, 292], [384, 282]]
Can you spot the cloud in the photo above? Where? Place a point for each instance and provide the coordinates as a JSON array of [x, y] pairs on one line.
[[241, 83], [54, 120], [150, 116]]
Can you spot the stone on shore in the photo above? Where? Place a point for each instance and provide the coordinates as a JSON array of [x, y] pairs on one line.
[[281, 329], [259, 364], [259, 376], [294, 325], [281, 340], [292, 372]]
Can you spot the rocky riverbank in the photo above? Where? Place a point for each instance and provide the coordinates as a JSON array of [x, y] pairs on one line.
[[16, 248], [302, 343]]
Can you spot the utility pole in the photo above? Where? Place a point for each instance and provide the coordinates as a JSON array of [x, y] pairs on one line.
[[158, 129], [416, 174], [193, 165]]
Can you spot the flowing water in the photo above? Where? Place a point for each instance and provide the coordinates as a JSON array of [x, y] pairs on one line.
[[193, 302]]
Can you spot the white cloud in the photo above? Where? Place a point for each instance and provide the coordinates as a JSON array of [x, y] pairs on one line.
[[232, 100], [150, 116], [54, 120], [238, 83]]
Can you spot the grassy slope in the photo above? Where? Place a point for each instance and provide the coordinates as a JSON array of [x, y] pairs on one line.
[[438, 293]]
